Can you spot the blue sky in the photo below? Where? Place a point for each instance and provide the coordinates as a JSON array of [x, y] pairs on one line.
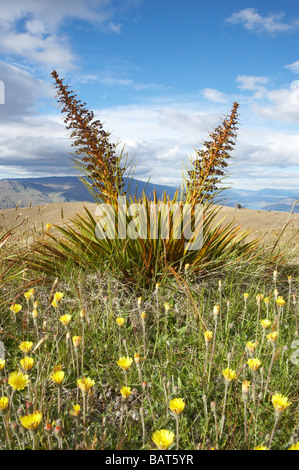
[[160, 75]]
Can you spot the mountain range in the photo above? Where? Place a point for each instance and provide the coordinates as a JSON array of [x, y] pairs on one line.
[[46, 190]]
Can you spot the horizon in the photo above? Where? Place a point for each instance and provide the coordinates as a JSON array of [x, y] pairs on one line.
[[160, 77]]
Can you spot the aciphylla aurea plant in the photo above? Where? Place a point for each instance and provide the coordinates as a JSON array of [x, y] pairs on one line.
[[143, 255], [210, 163]]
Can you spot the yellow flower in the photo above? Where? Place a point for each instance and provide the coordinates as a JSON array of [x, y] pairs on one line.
[[143, 315], [18, 380], [259, 298], [82, 313], [177, 405], [57, 377], [272, 337], [137, 358], [29, 294], [65, 319], [3, 403], [120, 321], [27, 363], [216, 310], [48, 226], [245, 386], [57, 368], [125, 392], [208, 336], [246, 295], [163, 439], [139, 301], [54, 303], [125, 362], [58, 296], [260, 448], [265, 323], [280, 301], [294, 446], [254, 364], [76, 341], [85, 384], [2, 364], [26, 346], [32, 421], [250, 346], [34, 313], [229, 374], [266, 300], [76, 411], [280, 402], [157, 286], [16, 308]]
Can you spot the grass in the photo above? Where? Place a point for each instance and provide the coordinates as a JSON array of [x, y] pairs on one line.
[[176, 362]]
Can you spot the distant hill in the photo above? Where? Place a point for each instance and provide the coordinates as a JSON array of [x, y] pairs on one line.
[[39, 191], [52, 189]]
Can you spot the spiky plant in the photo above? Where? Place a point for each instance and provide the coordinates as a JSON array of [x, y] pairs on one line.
[[144, 255]]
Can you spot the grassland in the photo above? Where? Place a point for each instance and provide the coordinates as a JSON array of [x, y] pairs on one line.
[[188, 339]]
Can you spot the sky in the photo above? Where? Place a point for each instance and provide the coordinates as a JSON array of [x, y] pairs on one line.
[[159, 75]]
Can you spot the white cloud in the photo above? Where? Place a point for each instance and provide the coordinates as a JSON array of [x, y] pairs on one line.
[[35, 30], [294, 67], [214, 95], [252, 20], [251, 82]]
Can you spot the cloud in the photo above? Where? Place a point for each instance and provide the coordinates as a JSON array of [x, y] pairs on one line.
[[36, 30], [294, 67], [253, 21], [214, 95], [251, 82]]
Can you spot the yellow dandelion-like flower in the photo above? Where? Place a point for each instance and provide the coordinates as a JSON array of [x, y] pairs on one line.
[[48, 226], [76, 341], [29, 294], [82, 313], [65, 319], [229, 374], [163, 439], [26, 346], [157, 286], [2, 364], [76, 411], [17, 380], [254, 364], [125, 362], [137, 358], [16, 308], [125, 392], [265, 323], [266, 300], [85, 384], [259, 298], [57, 377], [280, 301], [208, 336], [57, 368], [54, 303], [58, 296], [143, 315], [34, 313], [120, 321], [280, 402], [245, 386], [294, 446], [246, 295], [36, 304], [250, 346], [177, 405], [139, 301], [27, 363], [32, 421], [272, 337], [3, 403], [260, 448]]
